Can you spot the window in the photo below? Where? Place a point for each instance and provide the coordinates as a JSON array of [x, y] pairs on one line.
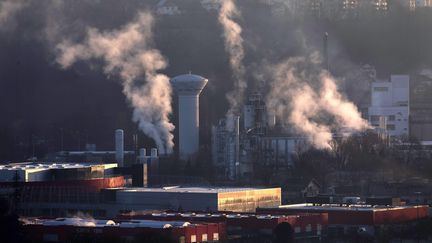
[[204, 238], [391, 127], [391, 118], [182, 239], [308, 228], [193, 238], [381, 89], [215, 236], [297, 230]]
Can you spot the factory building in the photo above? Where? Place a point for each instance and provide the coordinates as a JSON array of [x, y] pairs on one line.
[[226, 147], [58, 189], [256, 116], [247, 225], [124, 158], [39, 172], [195, 198], [238, 143], [345, 218], [181, 227], [232, 144], [188, 88], [65, 229], [420, 107], [62, 190], [389, 110], [280, 150]]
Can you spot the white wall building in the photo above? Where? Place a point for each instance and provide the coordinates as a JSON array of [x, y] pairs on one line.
[[390, 101]]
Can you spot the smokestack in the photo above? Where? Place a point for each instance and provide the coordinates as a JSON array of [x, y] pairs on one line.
[[152, 163], [188, 88], [119, 147], [142, 155], [237, 144], [325, 52], [154, 153]]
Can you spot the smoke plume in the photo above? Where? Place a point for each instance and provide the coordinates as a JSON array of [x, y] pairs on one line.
[[305, 98], [345, 112], [234, 46], [426, 73], [128, 53], [9, 8]]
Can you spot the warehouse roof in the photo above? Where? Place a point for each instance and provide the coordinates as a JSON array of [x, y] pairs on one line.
[[337, 207], [89, 222], [192, 189], [31, 166]]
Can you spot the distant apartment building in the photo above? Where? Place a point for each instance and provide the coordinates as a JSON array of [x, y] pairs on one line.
[[424, 3], [211, 5], [390, 105], [342, 9], [309, 8], [167, 7], [421, 107], [380, 5]]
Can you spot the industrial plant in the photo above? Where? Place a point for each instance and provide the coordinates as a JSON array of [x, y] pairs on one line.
[[267, 121], [128, 196]]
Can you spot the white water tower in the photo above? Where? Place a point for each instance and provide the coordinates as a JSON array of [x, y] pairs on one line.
[[188, 88]]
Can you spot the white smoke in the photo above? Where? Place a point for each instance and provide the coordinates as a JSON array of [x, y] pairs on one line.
[[299, 104], [128, 52], [345, 112], [8, 8], [234, 46], [426, 73], [304, 108]]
